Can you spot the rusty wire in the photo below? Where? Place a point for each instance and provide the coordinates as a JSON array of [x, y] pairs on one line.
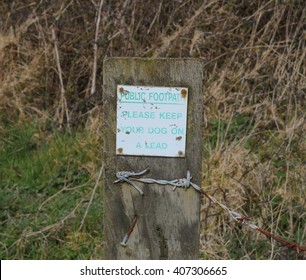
[[128, 177]]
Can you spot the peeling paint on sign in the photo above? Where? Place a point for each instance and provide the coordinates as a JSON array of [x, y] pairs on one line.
[[151, 121]]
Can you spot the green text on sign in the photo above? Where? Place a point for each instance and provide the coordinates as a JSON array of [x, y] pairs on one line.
[[151, 121]]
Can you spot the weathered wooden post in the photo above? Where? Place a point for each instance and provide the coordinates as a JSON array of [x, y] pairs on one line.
[[152, 118]]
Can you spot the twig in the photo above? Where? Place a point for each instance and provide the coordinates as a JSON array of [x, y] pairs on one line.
[[57, 193], [92, 196], [61, 12], [47, 228], [94, 70], [63, 101], [51, 197], [156, 16], [167, 42]]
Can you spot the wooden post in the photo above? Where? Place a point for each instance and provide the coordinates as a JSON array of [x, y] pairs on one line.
[[168, 222]]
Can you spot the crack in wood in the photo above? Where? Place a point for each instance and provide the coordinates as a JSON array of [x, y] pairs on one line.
[[163, 244]]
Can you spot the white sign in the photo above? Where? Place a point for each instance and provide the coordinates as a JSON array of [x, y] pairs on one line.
[[151, 121]]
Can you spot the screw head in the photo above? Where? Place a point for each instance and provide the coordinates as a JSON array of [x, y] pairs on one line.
[[184, 92], [180, 153], [121, 89], [120, 150]]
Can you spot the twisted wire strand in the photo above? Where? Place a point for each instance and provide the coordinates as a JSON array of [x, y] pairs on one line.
[[129, 177]]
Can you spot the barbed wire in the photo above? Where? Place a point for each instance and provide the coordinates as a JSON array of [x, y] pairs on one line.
[[129, 177]]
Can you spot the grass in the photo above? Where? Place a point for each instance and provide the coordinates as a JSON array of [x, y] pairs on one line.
[[46, 181], [50, 118], [252, 172]]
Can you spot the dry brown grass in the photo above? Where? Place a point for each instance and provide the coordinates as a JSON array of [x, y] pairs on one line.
[[255, 77]]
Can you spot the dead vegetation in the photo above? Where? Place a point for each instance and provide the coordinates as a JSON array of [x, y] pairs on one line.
[[51, 55]]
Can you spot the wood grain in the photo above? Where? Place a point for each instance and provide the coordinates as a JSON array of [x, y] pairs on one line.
[[168, 221]]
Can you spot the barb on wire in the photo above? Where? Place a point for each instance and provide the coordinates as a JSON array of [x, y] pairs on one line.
[[125, 176], [129, 177]]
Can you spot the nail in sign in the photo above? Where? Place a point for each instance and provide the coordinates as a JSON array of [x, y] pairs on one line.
[[151, 121]]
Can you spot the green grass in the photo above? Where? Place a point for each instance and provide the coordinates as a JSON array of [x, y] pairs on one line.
[[45, 185]]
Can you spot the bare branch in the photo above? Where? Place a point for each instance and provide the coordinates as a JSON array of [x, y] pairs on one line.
[[94, 70], [92, 196], [63, 102]]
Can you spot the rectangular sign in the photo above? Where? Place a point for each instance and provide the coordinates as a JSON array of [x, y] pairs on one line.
[[151, 121]]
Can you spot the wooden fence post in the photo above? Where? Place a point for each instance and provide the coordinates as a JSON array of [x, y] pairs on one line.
[[168, 222]]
